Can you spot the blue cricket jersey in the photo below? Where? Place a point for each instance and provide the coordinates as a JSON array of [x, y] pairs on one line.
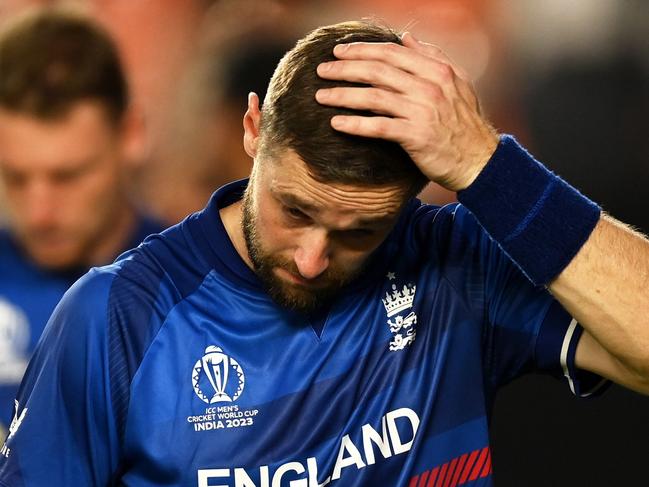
[[173, 367], [28, 295]]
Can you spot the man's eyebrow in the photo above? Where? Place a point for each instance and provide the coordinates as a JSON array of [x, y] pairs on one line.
[[375, 222], [291, 199]]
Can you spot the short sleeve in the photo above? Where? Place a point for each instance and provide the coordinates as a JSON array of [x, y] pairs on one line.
[[526, 329], [64, 432], [554, 336]]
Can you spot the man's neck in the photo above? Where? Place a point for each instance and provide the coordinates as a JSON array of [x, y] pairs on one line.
[[116, 240], [232, 218]]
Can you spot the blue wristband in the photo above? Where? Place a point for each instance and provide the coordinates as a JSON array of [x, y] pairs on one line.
[[538, 219]]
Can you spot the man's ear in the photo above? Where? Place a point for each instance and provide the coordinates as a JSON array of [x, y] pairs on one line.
[[133, 131], [251, 125]]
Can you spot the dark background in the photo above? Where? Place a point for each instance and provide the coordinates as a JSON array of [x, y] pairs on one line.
[[588, 122]]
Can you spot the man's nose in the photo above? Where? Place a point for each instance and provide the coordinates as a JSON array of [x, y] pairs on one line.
[[312, 255], [39, 204]]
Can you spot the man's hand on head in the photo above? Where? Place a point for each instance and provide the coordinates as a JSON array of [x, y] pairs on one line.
[[421, 100]]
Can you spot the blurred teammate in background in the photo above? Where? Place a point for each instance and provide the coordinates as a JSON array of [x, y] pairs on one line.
[[237, 50], [68, 139]]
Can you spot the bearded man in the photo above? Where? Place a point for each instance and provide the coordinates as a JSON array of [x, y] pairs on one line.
[[317, 324]]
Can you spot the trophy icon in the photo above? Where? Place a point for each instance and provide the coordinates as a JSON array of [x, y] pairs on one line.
[[216, 365], [219, 369]]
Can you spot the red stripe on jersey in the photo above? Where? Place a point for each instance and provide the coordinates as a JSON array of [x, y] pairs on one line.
[[479, 463], [458, 470], [442, 474], [433, 476], [487, 466], [467, 468], [451, 472]]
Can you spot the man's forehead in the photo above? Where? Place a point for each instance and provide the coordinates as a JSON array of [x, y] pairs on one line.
[[357, 206], [290, 179]]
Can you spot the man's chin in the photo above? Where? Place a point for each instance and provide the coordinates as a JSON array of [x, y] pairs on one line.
[[297, 302], [292, 296], [54, 258], [295, 281], [300, 298]]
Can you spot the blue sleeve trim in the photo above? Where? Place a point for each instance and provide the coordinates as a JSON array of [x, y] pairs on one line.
[[539, 220]]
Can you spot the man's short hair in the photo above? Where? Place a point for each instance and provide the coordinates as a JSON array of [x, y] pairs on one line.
[[52, 59], [292, 119]]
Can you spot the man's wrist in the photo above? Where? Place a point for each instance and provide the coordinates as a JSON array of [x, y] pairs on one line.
[[536, 217], [480, 158]]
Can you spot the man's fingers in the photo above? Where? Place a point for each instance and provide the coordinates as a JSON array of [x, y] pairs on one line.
[[462, 79], [430, 50], [440, 84], [377, 100], [434, 52], [438, 77], [393, 66], [413, 61], [369, 72], [387, 128], [408, 57]]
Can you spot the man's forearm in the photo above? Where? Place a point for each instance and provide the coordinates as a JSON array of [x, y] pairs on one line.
[[606, 288], [597, 267]]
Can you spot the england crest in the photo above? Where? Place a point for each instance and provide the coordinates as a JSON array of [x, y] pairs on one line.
[[397, 303]]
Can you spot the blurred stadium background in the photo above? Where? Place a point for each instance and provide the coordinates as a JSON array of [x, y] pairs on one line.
[[569, 79]]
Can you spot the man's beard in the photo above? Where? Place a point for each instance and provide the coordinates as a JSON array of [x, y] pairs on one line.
[[286, 294]]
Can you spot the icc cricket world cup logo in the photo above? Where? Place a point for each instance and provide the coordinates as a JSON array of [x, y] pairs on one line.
[[219, 374]]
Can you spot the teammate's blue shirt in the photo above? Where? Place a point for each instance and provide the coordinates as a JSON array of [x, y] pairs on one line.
[[174, 367], [28, 295]]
